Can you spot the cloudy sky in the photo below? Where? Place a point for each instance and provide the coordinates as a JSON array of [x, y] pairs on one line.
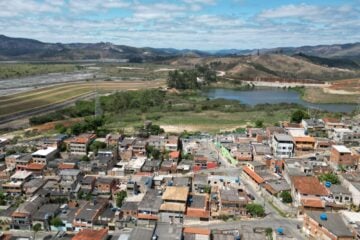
[[195, 24]]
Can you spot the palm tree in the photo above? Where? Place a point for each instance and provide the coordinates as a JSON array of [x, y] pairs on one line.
[[36, 228]]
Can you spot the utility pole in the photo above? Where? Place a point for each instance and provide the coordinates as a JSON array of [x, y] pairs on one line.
[[98, 110]]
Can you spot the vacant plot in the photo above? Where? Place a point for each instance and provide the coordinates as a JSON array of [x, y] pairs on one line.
[[349, 85], [211, 121], [61, 93], [27, 69], [318, 95]]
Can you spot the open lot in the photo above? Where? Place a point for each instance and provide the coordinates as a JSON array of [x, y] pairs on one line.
[[60, 93]]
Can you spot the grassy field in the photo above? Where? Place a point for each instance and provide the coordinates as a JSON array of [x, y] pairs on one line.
[[26, 69], [317, 95], [56, 94], [133, 71], [210, 121]]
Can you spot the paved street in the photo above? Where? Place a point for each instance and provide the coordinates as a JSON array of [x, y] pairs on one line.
[[272, 219]]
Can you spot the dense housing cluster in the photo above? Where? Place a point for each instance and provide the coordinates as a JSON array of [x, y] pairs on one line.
[[186, 186]]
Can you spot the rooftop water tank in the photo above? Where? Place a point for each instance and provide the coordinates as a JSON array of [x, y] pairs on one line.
[[327, 184], [323, 217], [280, 231]]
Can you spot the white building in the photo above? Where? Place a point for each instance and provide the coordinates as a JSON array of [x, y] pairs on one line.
[[43, 156], [282, 145], [341, 134]]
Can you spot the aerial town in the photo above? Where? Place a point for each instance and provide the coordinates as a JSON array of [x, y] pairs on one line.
[[179, 120], [291, 181]]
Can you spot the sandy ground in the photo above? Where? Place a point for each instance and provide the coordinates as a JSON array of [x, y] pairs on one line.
[[281, 84], [131, 68], [164, 69], [220, 73], [340, 92]]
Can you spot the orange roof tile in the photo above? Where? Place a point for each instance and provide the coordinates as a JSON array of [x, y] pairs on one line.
[[253, 175], [174, 154], [313, 203], [66, 166], [19, 214], [147, 216], [89, 234], [309, 185], [304, 139], [200, 231], [199, 213]]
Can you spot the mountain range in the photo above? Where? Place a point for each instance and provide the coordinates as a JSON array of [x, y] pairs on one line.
[[17, 49]]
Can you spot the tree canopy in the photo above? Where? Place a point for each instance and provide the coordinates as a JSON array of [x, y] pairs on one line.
[[329, 177], [191, 78], [255, 209]]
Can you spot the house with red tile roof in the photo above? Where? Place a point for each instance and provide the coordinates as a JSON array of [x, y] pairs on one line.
[[307, 192], [90, 234]]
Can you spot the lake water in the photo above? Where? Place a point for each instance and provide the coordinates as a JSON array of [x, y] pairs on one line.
[[273, 96]]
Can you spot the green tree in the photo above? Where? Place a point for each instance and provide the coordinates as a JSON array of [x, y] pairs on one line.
[[259, 123], [120, 196], [85, 158], [36, 228], [255, 210], [56, 222], [286, 197], [329, 177], [2, 199], [96, 146], [60, 128], [299, 115]]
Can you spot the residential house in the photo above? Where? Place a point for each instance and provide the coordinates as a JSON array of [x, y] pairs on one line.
[[332, 123], [340, 194], [232, 202], [282, 145], [43, 156], [70, 181], [104, 186], [16, 183], [36, 168], [304, 143], [22, 216], [242, 152], [174, 204], [260, 151], [88, 184], [314, 127], [276, 187], [326, 226], [351, 180], [149, 208], [45, 213], [307, 191], [200, 183], [13, 160], [31, 187], [87, 216], [91, 234], [191, 233], [198, 207], [172, 143], [79, 145], [341, 155]]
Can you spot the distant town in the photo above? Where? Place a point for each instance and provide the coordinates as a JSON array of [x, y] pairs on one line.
[[290, 181]]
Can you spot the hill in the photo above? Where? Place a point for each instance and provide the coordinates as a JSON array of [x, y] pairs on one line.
[[336, 51], [28, 49], [270, 66]]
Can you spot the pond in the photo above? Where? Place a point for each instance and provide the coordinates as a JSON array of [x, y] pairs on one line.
[[273, 96]]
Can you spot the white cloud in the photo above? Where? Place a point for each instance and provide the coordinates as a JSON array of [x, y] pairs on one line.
[[164, 24], [20, 7], [96, 5]]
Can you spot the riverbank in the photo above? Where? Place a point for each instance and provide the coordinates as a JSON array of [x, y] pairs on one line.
[[337, 92]]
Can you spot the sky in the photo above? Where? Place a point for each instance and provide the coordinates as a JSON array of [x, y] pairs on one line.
[[191, 24]]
